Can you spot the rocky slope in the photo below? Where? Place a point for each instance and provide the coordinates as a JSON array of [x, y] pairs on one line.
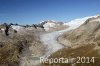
[[84, 41], [19, 48], [88, 32]]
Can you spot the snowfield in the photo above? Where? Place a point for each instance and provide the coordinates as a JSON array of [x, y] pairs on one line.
[[77, 22], [18, 28], [50, 39]]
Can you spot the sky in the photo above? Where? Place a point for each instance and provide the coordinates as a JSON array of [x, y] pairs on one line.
[[34, 11]]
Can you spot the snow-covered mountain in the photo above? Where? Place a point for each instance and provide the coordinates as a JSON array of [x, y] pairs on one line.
[[50, 24], [73, 23], [77, 22]]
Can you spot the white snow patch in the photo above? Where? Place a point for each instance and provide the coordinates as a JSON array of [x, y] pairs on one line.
[[16, 27], [2, 29], [48, 25]]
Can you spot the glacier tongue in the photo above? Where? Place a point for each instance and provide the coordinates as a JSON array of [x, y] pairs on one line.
[[50, 39]]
